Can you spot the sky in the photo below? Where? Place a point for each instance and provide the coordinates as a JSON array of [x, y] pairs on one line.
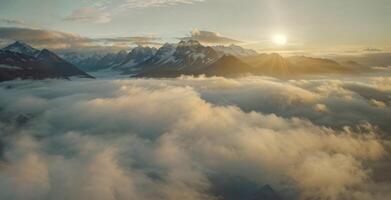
[[307, 24]]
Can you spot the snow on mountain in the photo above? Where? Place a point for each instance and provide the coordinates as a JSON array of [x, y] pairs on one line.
[[111, 60], [20, 47], [164, 54], [135, 57], [191, 58], [184, 56], [20, 60], [193, 53], [235, 50]]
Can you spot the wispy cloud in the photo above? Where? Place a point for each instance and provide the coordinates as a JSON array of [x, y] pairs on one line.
[[138, 40], [128, 4], [12, 22], [101, 11], [89, 14], [210, 37], [40, 37]]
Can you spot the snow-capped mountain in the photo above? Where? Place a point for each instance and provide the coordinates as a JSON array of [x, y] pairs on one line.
[[15, 65], [185, 56], [163, 55], [235, 50], [192, 53], [35, 64], [137, 56], [191, 58], [22, 48], [111, 60]]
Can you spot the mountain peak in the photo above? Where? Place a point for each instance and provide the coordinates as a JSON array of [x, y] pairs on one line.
[[23, 48], [20, 43]]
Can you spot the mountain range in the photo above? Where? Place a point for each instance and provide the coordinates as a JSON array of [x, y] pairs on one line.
[[192, 58], [20, 60], [189, 57]]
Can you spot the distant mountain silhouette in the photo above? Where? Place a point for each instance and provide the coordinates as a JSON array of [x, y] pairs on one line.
[[276, 65]]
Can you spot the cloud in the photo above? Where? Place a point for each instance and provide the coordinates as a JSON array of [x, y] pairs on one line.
[[138, 40], [101, 11], [63, 41], [129, 4], [113, 139], [46, 38], [12, 22], [90, 15], [371, 50], [209, 37]]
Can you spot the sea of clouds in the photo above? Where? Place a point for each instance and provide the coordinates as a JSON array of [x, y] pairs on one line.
[[196, 138]]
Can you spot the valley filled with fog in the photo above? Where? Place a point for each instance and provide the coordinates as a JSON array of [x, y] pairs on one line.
[[197, 137]]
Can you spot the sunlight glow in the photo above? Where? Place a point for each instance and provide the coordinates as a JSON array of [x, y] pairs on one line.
[[280, 39]]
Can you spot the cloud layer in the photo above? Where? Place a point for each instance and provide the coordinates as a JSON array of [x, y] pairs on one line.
[[192, 138]]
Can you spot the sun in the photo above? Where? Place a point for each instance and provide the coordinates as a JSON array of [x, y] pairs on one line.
[[280, 39]]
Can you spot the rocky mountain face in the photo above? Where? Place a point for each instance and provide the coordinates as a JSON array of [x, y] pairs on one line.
[[84, 61], [116, 61], [111, 60], [19, 60], [185, 57], [136, 56], [60, 65]]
